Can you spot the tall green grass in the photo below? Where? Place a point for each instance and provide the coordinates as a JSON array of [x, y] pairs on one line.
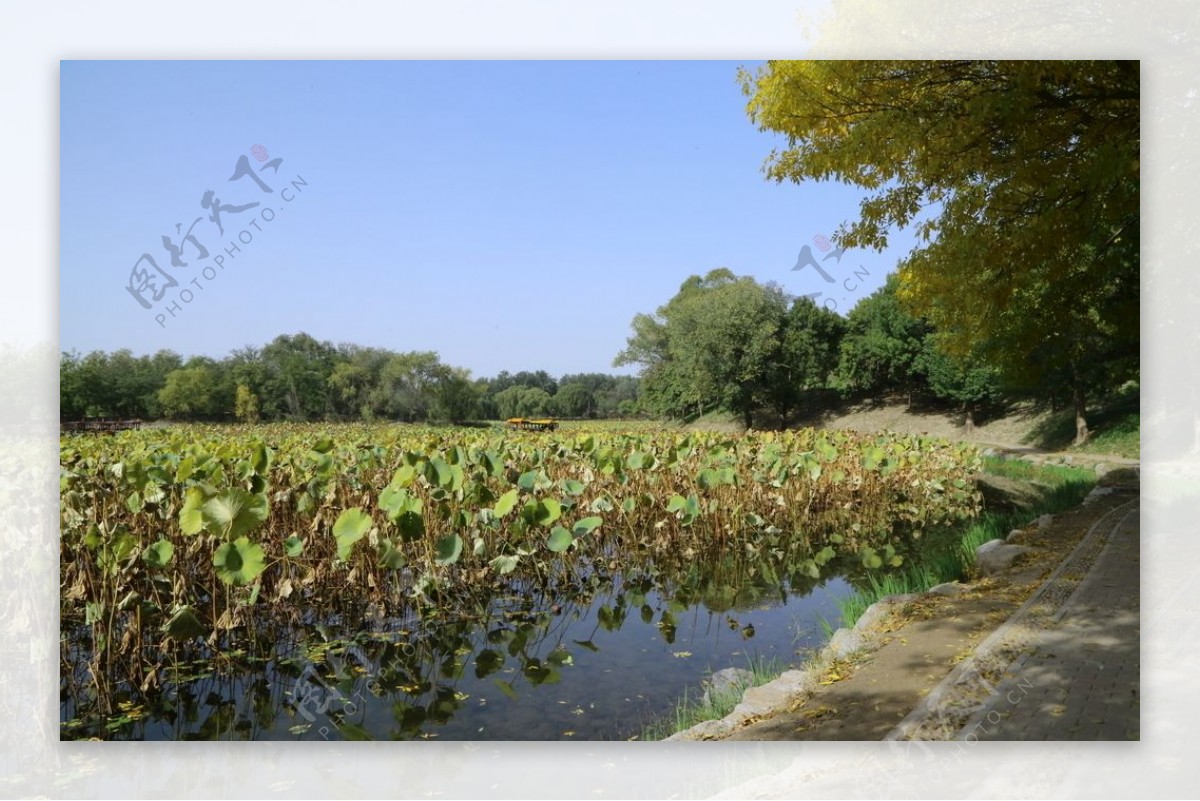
[[712, 705], [1068, 486]]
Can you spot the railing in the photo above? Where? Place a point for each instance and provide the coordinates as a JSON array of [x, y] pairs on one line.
[[99, 425]]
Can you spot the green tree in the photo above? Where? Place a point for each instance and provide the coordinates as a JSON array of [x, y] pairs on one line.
[[574, 399], [94, 385], [968, 382], [160, 366], [190, 392], [297, 375], [72, 404], [245, 405], [715, 345], [523, 401], [622, 399], [485, 403], [808, 354], [1021, 178], [882, 347], [455, 396], [405, 390]]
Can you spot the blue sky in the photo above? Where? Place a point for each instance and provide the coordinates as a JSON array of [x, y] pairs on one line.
[[508, 215]]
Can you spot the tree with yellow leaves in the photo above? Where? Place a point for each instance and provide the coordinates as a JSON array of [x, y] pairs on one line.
[[1020, 179]]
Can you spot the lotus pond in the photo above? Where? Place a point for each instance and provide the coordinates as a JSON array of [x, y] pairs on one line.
[[399, 582]]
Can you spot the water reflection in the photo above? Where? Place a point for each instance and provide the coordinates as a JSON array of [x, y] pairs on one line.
[[593, 660]]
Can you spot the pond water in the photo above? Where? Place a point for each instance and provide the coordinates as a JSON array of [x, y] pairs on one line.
[[599, 669]]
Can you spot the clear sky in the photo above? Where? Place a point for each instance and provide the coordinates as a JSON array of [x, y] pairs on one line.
[[508, 215]]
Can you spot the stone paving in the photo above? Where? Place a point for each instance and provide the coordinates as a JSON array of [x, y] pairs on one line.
[[1081, 679]]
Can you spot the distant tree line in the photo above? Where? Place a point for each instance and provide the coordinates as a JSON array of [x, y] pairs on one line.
[[727, 343], [296, 377]]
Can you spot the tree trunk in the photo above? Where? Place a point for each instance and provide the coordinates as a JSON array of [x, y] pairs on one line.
[[783, 409], [1080, 400], [970, 423]]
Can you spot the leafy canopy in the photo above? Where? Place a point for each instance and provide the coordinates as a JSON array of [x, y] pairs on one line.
[[1021, 179]]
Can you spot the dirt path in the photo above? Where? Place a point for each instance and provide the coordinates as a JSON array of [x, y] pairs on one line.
[[1009, 433], [912, 649]]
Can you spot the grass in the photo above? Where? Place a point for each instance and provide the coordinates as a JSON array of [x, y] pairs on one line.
[[712, 705], [1120, 438], [1067, 488], [1114, 426]]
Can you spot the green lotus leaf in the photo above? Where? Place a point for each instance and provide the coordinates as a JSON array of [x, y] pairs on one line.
[[448, 549], [159, 554], [351, 526], [390, 556], [505, 503], [184, 625], [234, 512], [239, 562], [438, 473], [191, 520], [559, 540], [547, 511], [586, 525], [504, 564], [261, 458]]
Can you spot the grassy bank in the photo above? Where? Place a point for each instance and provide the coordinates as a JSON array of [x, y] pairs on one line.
[[1067, 487], [712, 704]]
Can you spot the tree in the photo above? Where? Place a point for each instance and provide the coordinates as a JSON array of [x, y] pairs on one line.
[[622, 399], [808, 353], [455, 397], [968, 382], [540, 379], [72, 405], [883, 345], [714, 344], [522, 401], [94, 386], [298, 369], [406, 385], [1020, 177], [485, 404], [245, 405], [583, 394], [159, 366], [574, 400], [190, 392]]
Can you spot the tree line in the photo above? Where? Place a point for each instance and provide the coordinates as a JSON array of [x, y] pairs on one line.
[[727, 343], [298, 378]]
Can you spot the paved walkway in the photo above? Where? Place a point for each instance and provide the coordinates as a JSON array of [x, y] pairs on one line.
[[1080, 681]]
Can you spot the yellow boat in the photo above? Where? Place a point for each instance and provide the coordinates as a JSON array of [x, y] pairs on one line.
[[526, 424]]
